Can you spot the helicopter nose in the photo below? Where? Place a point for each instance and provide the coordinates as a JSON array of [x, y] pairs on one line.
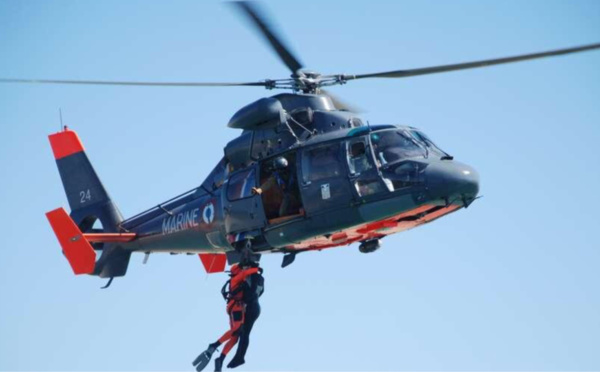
[[451, 179]]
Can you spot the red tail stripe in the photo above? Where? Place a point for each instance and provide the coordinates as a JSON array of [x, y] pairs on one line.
[[65, 143]]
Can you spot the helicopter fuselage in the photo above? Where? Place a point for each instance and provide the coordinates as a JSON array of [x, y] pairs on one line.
[[350, 183]]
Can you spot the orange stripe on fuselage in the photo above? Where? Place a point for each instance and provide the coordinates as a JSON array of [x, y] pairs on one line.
[[376, 229], [65, 143], [109, 237]]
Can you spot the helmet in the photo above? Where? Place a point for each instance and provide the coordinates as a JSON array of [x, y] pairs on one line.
[[280, 163]]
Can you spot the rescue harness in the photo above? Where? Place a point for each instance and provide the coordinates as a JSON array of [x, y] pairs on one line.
[[229, 294]]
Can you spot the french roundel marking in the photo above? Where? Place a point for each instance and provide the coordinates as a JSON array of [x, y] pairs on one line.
[[208, 213]]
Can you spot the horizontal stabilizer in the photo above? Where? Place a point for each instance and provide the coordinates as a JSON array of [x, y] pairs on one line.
[[213, 262], [76, 248], [109, 237]]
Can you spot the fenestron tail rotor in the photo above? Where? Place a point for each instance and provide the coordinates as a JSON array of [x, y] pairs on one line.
[[304, 80]]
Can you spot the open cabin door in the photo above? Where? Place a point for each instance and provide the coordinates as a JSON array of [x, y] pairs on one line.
[[279, 188], [242, 209]]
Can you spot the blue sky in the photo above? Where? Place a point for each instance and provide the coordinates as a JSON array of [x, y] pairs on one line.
[[511, 283]]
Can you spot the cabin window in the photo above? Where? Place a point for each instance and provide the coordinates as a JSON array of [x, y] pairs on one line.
[[359, 156], [241, 184], [321, 162]]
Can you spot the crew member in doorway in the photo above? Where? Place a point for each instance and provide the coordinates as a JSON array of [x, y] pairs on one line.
[[255, 286], [282, 178], [236, 309]]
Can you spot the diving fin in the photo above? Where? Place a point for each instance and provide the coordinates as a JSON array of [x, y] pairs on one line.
[[202, 360]]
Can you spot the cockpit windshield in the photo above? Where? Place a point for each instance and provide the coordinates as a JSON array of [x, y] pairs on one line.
[[391, 146], [428, 143]]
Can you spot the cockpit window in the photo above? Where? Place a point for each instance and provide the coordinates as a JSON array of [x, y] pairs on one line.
[[428, 143], [393, 145], [359, 155]]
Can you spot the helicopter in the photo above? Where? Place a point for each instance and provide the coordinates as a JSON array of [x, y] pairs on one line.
[[306, 173]]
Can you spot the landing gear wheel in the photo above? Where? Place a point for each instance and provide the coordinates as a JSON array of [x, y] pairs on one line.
[[369, 246]]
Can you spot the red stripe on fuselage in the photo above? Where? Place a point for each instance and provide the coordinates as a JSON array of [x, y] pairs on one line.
[[377, 229], [65, 143]]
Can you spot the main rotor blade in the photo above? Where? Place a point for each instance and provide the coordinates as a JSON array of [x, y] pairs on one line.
[[259, 20], [467, 65], [135, 83]]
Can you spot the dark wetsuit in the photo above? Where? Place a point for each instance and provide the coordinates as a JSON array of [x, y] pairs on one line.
[[251, 294]]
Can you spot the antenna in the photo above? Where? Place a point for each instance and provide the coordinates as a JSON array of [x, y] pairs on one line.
[[62, 127]]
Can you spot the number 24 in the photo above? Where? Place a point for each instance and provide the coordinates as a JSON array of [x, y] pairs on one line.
[[85, 196]]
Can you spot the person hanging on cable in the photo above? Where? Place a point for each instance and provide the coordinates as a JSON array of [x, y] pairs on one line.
[[254, 288], [236, 309]]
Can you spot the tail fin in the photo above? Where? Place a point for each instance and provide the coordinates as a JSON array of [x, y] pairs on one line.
[[86, 195], [89, 201]]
